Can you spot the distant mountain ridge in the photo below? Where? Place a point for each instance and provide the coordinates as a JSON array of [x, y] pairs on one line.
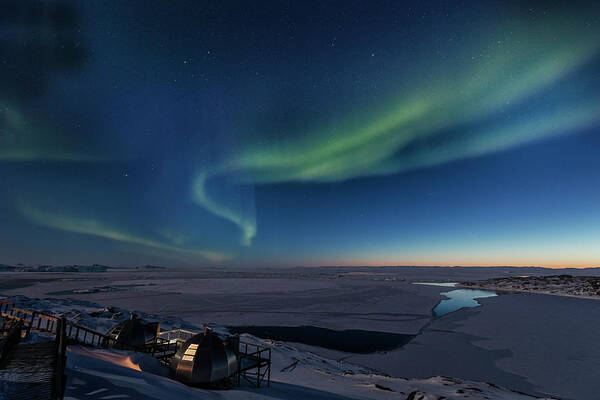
[[53, 268]]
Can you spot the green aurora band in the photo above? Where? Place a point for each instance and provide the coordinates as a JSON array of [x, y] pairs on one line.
[[489, 92], [93, 227], [531, 59]]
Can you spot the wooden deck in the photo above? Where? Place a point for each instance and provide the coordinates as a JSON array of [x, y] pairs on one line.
[[254, 363], [36, 371], [27, 372], [30, 371]]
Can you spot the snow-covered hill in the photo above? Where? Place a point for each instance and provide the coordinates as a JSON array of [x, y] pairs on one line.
[[558, 285]]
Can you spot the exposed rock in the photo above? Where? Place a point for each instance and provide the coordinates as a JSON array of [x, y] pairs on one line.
[[562, 285], [418, 395]]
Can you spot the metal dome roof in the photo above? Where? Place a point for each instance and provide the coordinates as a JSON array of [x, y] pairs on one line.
[[205, 359], [133, 332]]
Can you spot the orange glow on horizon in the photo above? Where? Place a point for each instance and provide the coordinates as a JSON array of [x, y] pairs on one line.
[[392, 263]]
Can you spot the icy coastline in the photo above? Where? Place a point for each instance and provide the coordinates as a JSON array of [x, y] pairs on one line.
[[558, 285], [297, 373]]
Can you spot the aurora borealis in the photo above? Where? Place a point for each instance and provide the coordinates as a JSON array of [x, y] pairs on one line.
[[300, 133]]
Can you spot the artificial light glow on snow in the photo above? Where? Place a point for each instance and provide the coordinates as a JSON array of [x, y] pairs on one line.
[[122, 360]]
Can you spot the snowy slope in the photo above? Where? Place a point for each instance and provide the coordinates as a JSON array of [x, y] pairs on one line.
[[100, 374]]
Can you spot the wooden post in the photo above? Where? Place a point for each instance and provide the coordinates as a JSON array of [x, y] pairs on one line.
[[258, 376], [13, 337], [61, 358], [30, 324], [269, 371]]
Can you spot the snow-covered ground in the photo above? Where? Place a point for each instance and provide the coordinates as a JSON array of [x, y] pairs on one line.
[[558, 285], [505, 342], [104, 374], [96, 373], [381, 300]]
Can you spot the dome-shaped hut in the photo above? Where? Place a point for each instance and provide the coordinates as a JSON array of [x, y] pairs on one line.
[[133, 333], [205, 359]]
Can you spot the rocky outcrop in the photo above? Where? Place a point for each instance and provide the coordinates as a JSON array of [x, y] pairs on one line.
[[418, 395]]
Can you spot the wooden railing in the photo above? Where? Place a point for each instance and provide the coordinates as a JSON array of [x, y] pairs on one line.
[[6, 306], [82, 335], [10, 312], [254, 360], [161, 349], [10, 335], [44, 322], [180, 335], [41, 322], [254, 363], [75, 333]]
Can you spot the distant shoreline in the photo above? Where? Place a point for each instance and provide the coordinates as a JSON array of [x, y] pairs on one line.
[[554, 285]]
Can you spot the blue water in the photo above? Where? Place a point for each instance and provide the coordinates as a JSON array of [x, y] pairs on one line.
[[460, 298]]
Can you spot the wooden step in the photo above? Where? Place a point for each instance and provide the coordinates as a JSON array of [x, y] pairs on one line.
[[28, 371]]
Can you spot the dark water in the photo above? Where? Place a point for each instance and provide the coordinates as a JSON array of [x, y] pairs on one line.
[[20, 283], [100, 289], [350, 341]]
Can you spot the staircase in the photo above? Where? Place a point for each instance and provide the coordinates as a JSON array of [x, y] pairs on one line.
[[27, 372], [31, 371]]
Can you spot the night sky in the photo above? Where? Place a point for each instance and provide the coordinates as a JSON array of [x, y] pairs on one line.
[[194, 133]]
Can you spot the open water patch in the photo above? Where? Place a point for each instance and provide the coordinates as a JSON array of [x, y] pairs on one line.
[[349, 341], [460, 298], [457, 299]]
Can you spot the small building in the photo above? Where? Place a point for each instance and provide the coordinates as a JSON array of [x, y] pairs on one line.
[[132, 333], [206, 359]]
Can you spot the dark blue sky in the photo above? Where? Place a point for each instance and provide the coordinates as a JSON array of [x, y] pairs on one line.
[[300, 133]]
